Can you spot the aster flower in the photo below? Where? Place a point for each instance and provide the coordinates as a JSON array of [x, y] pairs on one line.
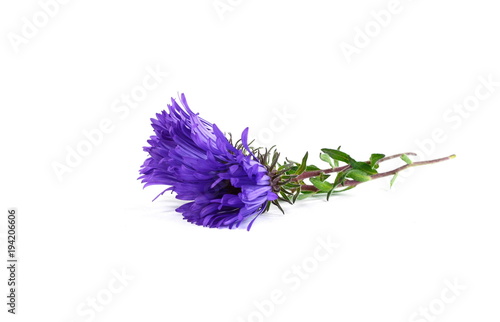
[[224, 184], [230, 184]]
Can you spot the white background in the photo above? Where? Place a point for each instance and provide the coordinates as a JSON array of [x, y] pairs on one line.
[[399, 248]]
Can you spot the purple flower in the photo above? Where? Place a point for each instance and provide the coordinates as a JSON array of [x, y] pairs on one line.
[[225, 185]]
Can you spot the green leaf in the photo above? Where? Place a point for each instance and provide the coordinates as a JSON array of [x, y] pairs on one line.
[[405, 158], [333, 191], [323, 186], [375, 157], [329, 193], [325, 157], [393, 179], [306, 194], [323, 176], [358, 175], [345, 189], [339, 179], [338, 155], [303, 165], [336, 162], [297, 193], [293, 169], [363, 166]]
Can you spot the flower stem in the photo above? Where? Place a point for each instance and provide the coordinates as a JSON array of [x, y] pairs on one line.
[[348, 183], [315, 173]]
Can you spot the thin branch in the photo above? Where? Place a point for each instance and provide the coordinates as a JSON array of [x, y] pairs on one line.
[[348, 183], [315, 173], [397, 170]]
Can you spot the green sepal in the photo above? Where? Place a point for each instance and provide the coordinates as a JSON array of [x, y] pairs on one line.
[[284, 196], [277, 204], [268, 206]]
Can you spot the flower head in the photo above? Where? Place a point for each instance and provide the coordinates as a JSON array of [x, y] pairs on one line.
[[224, 184]]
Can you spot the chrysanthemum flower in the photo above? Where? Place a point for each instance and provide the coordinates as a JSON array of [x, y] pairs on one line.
[[228, 184], [225, 186]]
